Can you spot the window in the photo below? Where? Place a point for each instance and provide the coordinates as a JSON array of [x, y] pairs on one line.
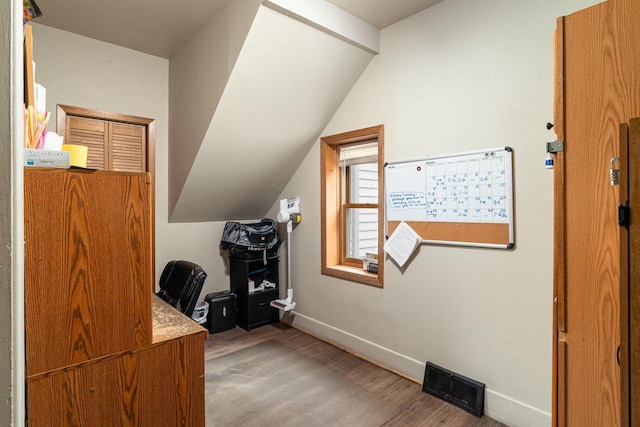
[[352, 218], [358, 164]]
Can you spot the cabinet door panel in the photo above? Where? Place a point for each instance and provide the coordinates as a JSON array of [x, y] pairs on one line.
[[260, 311], [157, 386], [88, 266], [128, 148], [94, 135], [116, 142]]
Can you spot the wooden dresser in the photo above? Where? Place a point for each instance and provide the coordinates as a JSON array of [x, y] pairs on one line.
[[101, 349]]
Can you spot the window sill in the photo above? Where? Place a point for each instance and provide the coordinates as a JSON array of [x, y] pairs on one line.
[[354, 274]]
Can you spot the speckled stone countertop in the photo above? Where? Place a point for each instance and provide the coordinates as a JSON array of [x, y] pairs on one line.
[[169, 323]]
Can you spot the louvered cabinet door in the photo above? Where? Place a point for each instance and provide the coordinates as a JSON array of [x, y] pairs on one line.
[[113, 146], [127, 148], [94, 135]]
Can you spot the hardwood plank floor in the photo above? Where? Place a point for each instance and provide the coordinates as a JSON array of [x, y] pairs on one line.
[[417, 408]]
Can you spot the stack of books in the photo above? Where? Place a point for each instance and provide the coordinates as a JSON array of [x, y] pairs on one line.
[[370, 262]]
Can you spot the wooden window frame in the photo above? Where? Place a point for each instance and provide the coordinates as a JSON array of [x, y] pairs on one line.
[[332, 230]]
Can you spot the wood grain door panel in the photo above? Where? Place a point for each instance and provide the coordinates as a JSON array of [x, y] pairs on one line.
[[591, 258], [160, 385], [116, 142], [631, 288], [128, 153], [94, 135], [88, 265]]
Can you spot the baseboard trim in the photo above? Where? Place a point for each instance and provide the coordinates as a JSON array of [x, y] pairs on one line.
[[513, 412], [498, 406]]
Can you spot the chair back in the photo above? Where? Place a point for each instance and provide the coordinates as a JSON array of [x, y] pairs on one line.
[[180, 285]]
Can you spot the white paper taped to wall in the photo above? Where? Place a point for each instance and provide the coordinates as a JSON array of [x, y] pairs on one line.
[[402, 243]]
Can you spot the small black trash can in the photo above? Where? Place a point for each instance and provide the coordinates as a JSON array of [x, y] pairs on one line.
[[222, 311]]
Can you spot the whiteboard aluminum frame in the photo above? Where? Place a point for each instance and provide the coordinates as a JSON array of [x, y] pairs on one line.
[[510, 207]]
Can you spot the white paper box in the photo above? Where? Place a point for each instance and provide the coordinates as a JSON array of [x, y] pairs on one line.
[[46, 158]]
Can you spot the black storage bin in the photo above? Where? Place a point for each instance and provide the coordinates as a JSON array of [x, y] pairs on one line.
[[222, 311]]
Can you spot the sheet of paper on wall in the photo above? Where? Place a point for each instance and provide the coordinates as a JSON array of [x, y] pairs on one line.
[[402, 243]]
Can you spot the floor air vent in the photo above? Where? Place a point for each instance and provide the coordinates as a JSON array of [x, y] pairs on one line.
[[461, 391]]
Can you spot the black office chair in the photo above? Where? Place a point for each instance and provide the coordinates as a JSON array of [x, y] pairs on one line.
[[180, 285]]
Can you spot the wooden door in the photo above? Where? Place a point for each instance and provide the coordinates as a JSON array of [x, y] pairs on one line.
[[587, 235], [597, 90], [630, 284]]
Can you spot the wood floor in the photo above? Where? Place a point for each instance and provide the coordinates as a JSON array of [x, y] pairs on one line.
[[417, 408]]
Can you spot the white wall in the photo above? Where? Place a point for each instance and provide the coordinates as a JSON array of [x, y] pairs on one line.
[[199, 72], [87, 73], [463, 75], [12, 371], [6, 219], [286, 84]]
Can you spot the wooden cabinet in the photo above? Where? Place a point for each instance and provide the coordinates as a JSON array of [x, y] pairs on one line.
[[116, 142], [87, 266], [112, 146], [253, 308], [597, 81], [154, 385], [101, 348]]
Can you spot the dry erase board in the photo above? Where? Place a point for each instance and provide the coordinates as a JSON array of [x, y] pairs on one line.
[[457, 199]]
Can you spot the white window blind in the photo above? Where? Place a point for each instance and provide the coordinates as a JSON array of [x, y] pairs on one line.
[[359, 153]]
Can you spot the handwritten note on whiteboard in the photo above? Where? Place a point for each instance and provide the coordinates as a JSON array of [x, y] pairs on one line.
[[468, 187]]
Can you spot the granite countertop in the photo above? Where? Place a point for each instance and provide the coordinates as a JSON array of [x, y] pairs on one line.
[[169, 323]]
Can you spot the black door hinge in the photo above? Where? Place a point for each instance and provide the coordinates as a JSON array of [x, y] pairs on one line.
[[624, 215]]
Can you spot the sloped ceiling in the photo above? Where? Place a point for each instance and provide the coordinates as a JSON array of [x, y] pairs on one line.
[[382, 13], [285, 85], [250, 89], [161, 27]]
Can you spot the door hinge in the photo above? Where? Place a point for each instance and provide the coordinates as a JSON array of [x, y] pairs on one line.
[[555, 146], [624, 215]]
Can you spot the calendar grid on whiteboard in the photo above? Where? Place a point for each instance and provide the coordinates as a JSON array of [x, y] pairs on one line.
[[465, 188]]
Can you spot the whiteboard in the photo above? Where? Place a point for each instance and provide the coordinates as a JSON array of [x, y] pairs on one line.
[[461, 199]]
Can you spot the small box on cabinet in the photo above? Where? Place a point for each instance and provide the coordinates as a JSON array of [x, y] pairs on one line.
[[46, 158]]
